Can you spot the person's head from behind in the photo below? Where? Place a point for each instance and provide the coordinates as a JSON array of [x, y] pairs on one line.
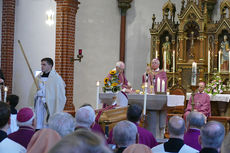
[[201, 87], [63, 123], [155, 64], [85, 117], [125, 133], [4, 116], [26, 117], [120, 66], [212, 135], [81, 141], [46, 64], [134, 113], [176, 127], [12, 100], [226, 144], [195, 120]]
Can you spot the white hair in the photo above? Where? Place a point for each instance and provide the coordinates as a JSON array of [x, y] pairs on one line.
[[85, 116], [120, 63], [62, 122]]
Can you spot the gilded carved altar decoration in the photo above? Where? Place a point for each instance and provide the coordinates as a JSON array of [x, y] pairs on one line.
[[195, 37]]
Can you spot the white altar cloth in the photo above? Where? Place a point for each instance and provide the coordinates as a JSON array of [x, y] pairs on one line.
[[217, 97]]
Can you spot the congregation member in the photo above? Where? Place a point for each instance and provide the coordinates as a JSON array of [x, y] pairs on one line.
[[201, 102], [176, 127], [124, 134], [26, 123], [63, 123], [43, 140], [194, 122], [211, 137], [137, 148], [134, 115], [12, 100], [7, 145], [81, 141], [50, 96], [226, 144]]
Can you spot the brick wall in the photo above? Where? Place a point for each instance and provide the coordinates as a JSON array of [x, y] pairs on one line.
[[65, 45], [7, 47]]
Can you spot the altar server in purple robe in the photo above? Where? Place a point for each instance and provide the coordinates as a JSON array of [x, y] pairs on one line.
[[134, 115], [157, 73], [201, 102], [25, 121], [194, 121]]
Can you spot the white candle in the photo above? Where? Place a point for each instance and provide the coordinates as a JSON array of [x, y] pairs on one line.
[[158, 84], [145, 98], [0, 94], [165, 61], [5, 93], [219, 62], [209, 61], [174, 61], [163, 86], [98, 84], [229, 61], [194, 71], [156, 54]]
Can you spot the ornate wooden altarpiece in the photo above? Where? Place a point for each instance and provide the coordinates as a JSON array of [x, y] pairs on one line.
[[191, 39]]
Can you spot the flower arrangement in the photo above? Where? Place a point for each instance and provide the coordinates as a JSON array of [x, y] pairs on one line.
[[112, 83], [216, 86]]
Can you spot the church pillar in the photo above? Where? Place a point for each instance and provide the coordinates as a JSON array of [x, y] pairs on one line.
[[202, 49], [65, 45], [124, 5], [181, 50], [215, 61], [7, 44]]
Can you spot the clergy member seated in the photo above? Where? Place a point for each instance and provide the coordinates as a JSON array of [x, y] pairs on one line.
[[7, 145], [120, 66], [63, 123], [12, 100], [26, 123], [211, 137], [201, 102], [145, 137], [124, 134], [194, 121], [176, 127]]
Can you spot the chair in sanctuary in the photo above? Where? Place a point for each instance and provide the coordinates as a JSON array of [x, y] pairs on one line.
[[176, 110], [225, 120]]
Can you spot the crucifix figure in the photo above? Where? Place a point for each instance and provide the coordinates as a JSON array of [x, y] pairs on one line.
[[191, 47]]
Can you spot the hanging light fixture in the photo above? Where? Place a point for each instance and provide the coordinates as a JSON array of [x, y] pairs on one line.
[[50, 17]]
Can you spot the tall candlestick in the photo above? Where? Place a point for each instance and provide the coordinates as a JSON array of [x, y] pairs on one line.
[[156, 54], [174, 61], [5, 93], [229, 61], [165, 61], [194, 71], [209, 57], [158, 84], [145, 98], [163, 86], [219, 62], [0, 93], [98, 84]]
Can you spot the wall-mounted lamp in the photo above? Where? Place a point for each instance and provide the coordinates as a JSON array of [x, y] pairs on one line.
[[79, 56], [50, 17]]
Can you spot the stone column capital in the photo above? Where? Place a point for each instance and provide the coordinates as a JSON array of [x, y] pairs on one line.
[[124, 5]]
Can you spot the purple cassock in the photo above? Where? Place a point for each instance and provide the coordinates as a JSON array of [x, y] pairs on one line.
[[202, 104], [97, 129], [23, 135], [191, 138], [145, 137], [162, 75]]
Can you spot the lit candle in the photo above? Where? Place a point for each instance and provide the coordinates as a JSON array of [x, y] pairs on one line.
[[163, 86], [165, 61], [174, 61], [219, 62], [145, 98], [5, 93], [98, 84], [158, 84], [209, 61], [156, 54], [194, 71], [80, 52]]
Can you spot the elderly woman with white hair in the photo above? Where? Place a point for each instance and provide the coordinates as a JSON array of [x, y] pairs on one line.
[[63, 123]]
